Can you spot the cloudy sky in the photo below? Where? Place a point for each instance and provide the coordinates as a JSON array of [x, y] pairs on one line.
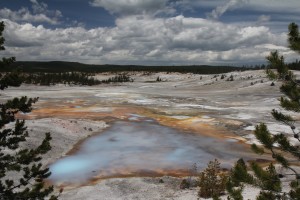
[[148, 32]]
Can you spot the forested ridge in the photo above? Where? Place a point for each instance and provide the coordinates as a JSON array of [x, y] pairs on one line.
[[61, 66]]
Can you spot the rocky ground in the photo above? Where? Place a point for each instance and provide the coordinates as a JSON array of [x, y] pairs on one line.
[[203, 104]]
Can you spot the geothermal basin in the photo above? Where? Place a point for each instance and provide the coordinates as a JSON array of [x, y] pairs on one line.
[[141, 146], [118, 141]]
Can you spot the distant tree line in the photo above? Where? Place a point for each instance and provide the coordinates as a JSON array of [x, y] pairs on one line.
[[294, 66], [71, 78], [75, 78], [118, 79], [59, 67]]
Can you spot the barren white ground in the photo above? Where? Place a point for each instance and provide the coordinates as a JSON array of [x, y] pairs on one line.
[[73, 113]]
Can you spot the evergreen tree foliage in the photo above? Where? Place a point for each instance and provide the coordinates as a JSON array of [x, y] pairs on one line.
[[238, 176], [70, 78], [24, 164], [268, 180], [62, 66], [276, 62], [212, 181], [294, 37], [119, 79], [278, 145]]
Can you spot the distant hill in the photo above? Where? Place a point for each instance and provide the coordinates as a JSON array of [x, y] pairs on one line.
[[60, 66]]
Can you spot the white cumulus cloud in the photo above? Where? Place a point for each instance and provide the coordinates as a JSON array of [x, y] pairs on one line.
[[230, 5], [133, 7], [146, 40], [39, 14], [259, 5]]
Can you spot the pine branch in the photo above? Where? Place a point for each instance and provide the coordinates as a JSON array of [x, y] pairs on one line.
[[21, 161], [286, 119]]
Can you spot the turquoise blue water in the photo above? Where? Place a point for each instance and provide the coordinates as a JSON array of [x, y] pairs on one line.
[[130, 147]]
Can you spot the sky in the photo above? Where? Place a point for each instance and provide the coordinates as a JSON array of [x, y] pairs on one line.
[[148, 32]]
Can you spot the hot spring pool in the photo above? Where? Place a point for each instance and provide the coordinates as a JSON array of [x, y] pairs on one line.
[[131, 147]]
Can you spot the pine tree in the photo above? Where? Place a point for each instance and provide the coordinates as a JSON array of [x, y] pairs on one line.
[[212, 181], [24, 163], [238, 176], [278, 145]]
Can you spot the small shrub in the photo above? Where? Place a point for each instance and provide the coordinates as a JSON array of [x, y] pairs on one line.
[[184, 184], [230, 78]]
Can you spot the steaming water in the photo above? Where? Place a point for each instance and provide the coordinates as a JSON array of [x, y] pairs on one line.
[[135, 147]]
